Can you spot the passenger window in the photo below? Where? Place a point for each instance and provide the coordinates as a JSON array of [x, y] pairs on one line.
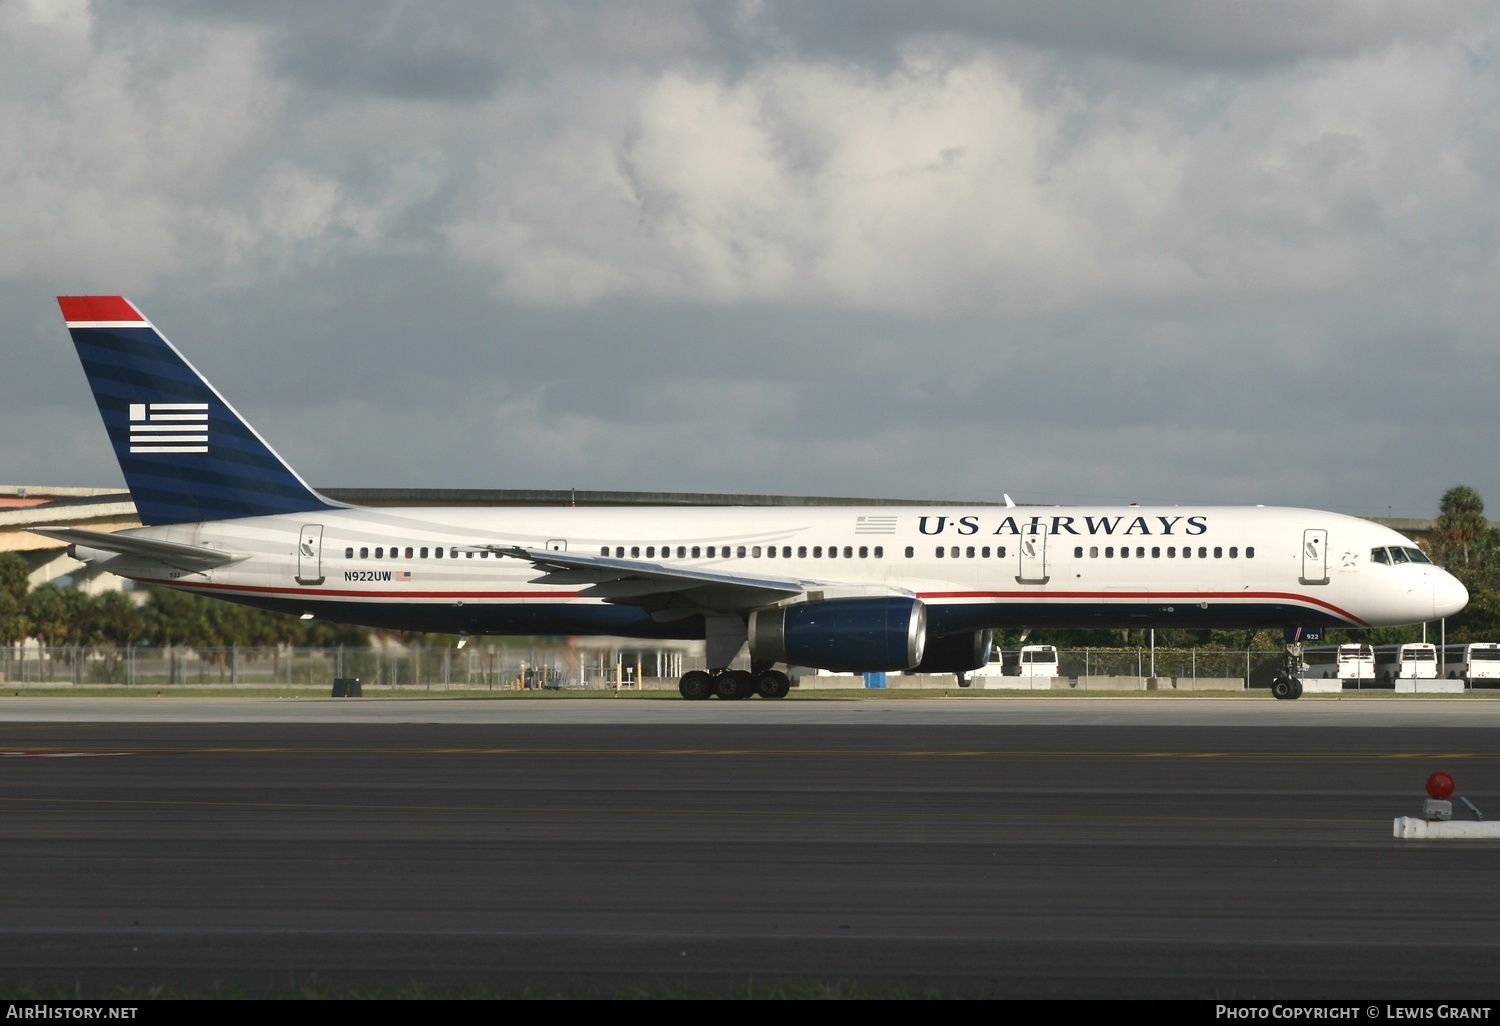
[[1202, 551], [1093, 552], [1109, 552], [438, 553], [1000, 552], [635, 552], [801, 551], [786, 552], [650, 551], [1234, 552], [1078, 552], [1140, 552], [864, 552], [710, 552], [849, 552], [1218, 552], [483, 555], [880, 552], [984, 553], [1155, 552], [424, 551], [349, 553], [770, 552], [604, 551], [1187, 552], [941, 552], [755, 552], [1249, 551], [969, 552], [1171, 551], [467, 555], [833, 552], [910, 552], [379, 552], [682, 551], [408, 552], [739, 552], [619, 552], [453, 552], [1124, 551], [818, 552]]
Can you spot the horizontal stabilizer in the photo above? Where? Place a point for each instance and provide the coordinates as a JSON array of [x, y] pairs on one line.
[[185, 557]]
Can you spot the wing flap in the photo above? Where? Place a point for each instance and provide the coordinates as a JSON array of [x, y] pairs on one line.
[[622, 580]]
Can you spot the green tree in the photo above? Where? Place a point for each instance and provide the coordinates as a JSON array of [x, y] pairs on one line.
[[1461, 519]]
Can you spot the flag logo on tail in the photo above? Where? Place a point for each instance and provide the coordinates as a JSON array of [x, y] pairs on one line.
[[169, 427]]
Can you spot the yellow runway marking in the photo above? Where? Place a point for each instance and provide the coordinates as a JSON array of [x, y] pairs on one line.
[[819, 814], [868, 753]]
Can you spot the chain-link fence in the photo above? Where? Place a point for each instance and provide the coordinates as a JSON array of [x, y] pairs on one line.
[[492, 667]]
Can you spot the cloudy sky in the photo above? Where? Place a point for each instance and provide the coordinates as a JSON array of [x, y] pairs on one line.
[[1073, 250]]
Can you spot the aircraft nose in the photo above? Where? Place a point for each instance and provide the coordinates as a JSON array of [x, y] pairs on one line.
[[1448, 595]]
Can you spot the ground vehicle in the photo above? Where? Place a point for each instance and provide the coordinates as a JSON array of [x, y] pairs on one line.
[[1412, 661], [1475, 662], [1349, 662]]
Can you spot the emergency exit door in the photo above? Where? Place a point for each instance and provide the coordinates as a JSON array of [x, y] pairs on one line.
[[1033, 555]]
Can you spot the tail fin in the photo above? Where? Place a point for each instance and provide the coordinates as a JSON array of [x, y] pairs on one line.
[[186, 454]]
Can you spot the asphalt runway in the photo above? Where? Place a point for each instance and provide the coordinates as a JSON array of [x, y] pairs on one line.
[[870, 856]]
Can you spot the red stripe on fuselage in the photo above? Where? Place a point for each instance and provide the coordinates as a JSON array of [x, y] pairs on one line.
[[1153, 596], [1190, 596], [83, 309]]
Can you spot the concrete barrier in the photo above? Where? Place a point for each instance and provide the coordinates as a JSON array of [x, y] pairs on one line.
[[995, 683], [1101, 683], [1205, 684]]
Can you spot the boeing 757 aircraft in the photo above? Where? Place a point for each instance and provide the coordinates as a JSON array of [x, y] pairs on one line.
[[853, 588]]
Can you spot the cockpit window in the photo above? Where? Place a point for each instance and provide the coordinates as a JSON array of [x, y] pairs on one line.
[[1399, 555], [1379, 556], [1417, 555]]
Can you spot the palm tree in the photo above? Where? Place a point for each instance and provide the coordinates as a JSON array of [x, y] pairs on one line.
[[1461, 518]]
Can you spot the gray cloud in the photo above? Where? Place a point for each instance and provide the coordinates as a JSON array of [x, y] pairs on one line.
[[1056, 250]]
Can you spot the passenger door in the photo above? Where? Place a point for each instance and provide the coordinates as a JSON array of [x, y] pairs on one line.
[[310, 554], [1314, 556]]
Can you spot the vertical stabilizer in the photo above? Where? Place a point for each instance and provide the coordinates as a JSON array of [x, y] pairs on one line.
[[186, 454]]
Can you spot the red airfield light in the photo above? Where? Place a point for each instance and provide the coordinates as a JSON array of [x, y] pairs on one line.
[[1440, 785]]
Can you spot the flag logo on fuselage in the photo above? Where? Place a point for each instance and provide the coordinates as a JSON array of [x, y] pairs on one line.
[[169, 427]]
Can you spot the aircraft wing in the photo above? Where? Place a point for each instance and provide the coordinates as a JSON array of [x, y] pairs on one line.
[[185, 557], [654, 586]]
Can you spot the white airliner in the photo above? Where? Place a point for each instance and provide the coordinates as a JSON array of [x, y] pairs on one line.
[[854, 588]]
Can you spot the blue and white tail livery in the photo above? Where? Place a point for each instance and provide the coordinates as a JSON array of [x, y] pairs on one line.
[[842, 588], [186, 454]]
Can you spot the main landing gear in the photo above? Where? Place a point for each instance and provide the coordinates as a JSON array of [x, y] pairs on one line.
[[732, 685], [1287, 685]]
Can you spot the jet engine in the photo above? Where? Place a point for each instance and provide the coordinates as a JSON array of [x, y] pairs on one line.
[[851, 635], [957, 653]]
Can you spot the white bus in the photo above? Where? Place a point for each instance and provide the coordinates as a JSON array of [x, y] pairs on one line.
[[1413, 661], [1030, 666], [1477, 661], [1351, 662]]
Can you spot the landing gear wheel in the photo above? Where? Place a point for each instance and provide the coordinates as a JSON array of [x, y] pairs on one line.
[[1282, 688], [773, 684], [695, 685], [734, 685], [1296, 688]]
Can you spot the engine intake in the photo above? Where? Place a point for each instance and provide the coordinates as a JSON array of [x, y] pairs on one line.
[[853, 634], [957, 653]]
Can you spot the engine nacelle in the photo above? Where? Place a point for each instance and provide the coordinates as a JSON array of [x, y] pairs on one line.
[[957, 653], [852, 634]]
